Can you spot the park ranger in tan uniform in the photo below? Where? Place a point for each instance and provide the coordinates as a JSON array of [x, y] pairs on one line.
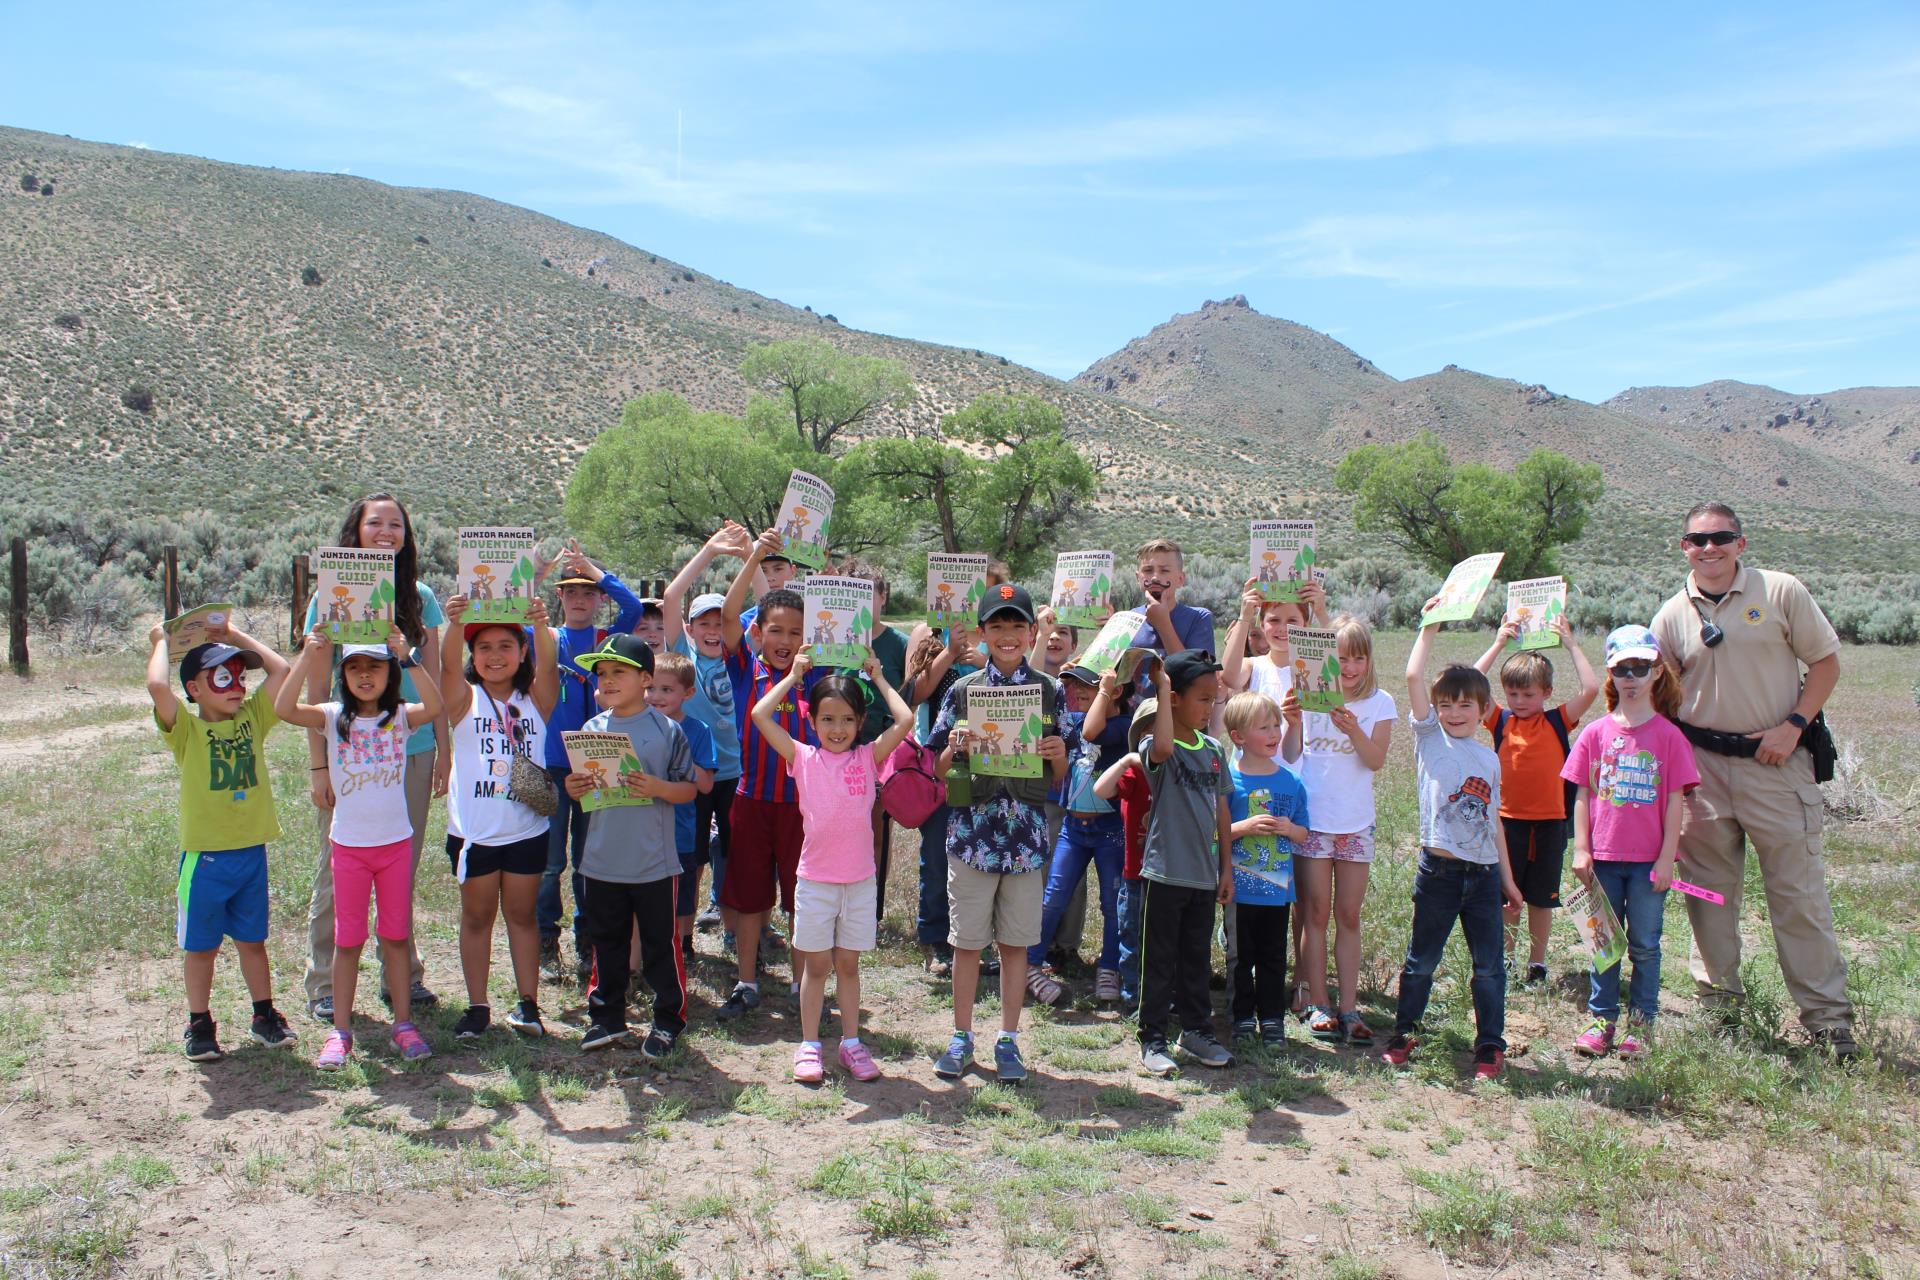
[[1739, 638]]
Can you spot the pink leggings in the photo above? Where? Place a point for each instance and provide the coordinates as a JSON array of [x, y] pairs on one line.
[[361, 871]]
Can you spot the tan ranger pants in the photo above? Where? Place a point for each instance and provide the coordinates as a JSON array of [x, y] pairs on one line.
[[320, 905], [1779, 810]]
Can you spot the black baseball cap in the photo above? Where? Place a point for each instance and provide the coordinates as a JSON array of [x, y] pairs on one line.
[[1006, 598], [1188, 665], [1074, 671], [205, 657], [630, 649]]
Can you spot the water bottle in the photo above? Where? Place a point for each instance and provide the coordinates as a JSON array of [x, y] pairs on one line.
[[959, 777]]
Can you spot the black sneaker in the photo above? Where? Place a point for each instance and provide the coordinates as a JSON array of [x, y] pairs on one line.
[[202, 1042], [552, 968], [421, 997], [1536, 974], [600, 1035], [271, 1029], [658, 1044], [743, 1000], [1274, 1034], [525, 1018], [473, 1023], [1245, 1031], [686, 948], [1837, 1041]]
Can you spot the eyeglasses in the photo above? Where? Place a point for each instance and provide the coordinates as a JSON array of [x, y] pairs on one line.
[[1632, 670], [1718, 538]]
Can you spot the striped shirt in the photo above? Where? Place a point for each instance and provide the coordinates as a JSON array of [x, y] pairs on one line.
[[763, 774]]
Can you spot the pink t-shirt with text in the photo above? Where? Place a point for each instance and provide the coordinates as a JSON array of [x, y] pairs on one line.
[[836, 807], [1630, 773]]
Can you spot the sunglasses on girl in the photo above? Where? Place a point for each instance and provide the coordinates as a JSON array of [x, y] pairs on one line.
[[1718, 538], [1632, 670]]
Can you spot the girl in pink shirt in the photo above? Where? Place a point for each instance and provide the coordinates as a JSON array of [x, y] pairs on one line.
[[1633, 768], [834, 901]]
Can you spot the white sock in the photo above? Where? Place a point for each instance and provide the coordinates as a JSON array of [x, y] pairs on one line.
[[750, 986], [810, 1044], [1011, 1037], [849, 1042]]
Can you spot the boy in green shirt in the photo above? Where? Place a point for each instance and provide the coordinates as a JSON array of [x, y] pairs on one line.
[[226, 819]]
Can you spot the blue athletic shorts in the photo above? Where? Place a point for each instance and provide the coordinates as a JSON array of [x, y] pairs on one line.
[[223, 893]]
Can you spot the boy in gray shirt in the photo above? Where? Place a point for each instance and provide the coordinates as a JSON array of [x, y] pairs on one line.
[[1463, 873], [630, 866], [1187, 863]]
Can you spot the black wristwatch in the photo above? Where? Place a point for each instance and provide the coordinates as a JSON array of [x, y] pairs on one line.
[[1797, 720], [411, 660]]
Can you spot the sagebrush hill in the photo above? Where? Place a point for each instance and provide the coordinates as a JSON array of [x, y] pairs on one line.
[[180, 334]]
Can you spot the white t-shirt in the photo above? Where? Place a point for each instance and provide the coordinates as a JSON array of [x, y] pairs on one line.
[[1269, 677], [1339, 787], [481, 806], [369, 776]]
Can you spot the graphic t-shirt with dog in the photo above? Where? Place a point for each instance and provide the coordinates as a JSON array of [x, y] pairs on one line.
[[1459, 782]]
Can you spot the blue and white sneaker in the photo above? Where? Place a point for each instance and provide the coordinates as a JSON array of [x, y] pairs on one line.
[[1007, 1066], [953, 1064]]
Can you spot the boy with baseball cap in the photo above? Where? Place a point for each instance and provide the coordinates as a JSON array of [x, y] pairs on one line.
[[996, 844], [226, 819], [631, 869]]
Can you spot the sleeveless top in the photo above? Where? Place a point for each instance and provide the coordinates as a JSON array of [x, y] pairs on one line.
[[481, 806]]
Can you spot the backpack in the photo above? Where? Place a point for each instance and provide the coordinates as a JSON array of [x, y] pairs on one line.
[[911, 789], [1557, 721]]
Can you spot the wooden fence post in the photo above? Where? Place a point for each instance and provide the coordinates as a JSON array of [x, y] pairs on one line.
[[170, 581], [302, 587], [17, 609]]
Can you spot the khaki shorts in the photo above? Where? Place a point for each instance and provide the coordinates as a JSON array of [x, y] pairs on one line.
[[985, 907], [826, 916]]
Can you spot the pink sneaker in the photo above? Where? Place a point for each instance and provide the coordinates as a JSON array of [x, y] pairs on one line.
[[333, 1054], [1596, 1041], [1635, 1043], [856, 1059], [807, 1067], [412, 1045]]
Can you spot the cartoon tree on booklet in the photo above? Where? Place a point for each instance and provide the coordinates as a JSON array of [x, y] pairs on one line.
[[1330, 671], [1303, 563], [1101, 586], [630, 763], [522, 576], [976, 594], [381, 597], [862, 624], [1028, 740]]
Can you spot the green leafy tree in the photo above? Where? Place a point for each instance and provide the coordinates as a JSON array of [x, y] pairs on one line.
[[820, 391], [1414, 495], [1000, 477]]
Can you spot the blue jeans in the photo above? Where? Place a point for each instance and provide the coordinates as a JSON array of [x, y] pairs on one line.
[[931, 924], [568, 821], [1643, 910], [1101, 840], [1445, 890], [1133, 897]]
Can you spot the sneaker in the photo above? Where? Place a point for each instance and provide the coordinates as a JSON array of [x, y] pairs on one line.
[[990, 960], [525, 1018], [1204, 1049], [1837, 1041], [743, 1000], [202, 1044], [1008, 1067], [411, 1045], [333, 1054], [858, 1062], [1488, 1062], [658, 1044], [1635, 1043], [1106, 985], [321, 1010], [473, 1023], [938, 960], [1155, 1058], [1354, 1029], [807, 1067], [420, 997], [1536, 974], [708, 919], [1044, 987], [1274, 1034], [271, 1029], [953, 1064], [1245, 1031], [600, 1035], [1596, 1041], [552, 967], [1399, 1051]]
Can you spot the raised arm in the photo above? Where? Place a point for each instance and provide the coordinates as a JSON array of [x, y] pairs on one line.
[[1417, 701], [730, 539], [1163, 732], [1508, 629], [1577, 705], [546, 668], [895, 733], [166, 703], [425, 683], [456, 695], [314, 652], [1107, 785], [1233, 670], [272, 663], [763, 546]]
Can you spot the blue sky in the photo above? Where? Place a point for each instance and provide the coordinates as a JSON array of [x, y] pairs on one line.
[[1623, 195]]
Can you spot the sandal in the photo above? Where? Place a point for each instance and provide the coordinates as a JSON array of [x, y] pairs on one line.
[[1299, 1006], [1321, 1024], [1042, 986], [1353, 1030]]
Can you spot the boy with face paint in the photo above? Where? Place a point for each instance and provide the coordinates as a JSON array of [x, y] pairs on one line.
[[226, 820], [1171, 627]]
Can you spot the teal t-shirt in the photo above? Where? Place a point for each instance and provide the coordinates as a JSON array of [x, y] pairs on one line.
[[431, 615]]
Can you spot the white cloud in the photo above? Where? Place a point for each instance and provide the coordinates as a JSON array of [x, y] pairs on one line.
[[1886, 286]]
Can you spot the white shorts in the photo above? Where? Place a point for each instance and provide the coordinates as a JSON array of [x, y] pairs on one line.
[[826, 916]]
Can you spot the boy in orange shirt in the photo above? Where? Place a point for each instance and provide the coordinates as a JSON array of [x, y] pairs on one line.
[[1533, 744]]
